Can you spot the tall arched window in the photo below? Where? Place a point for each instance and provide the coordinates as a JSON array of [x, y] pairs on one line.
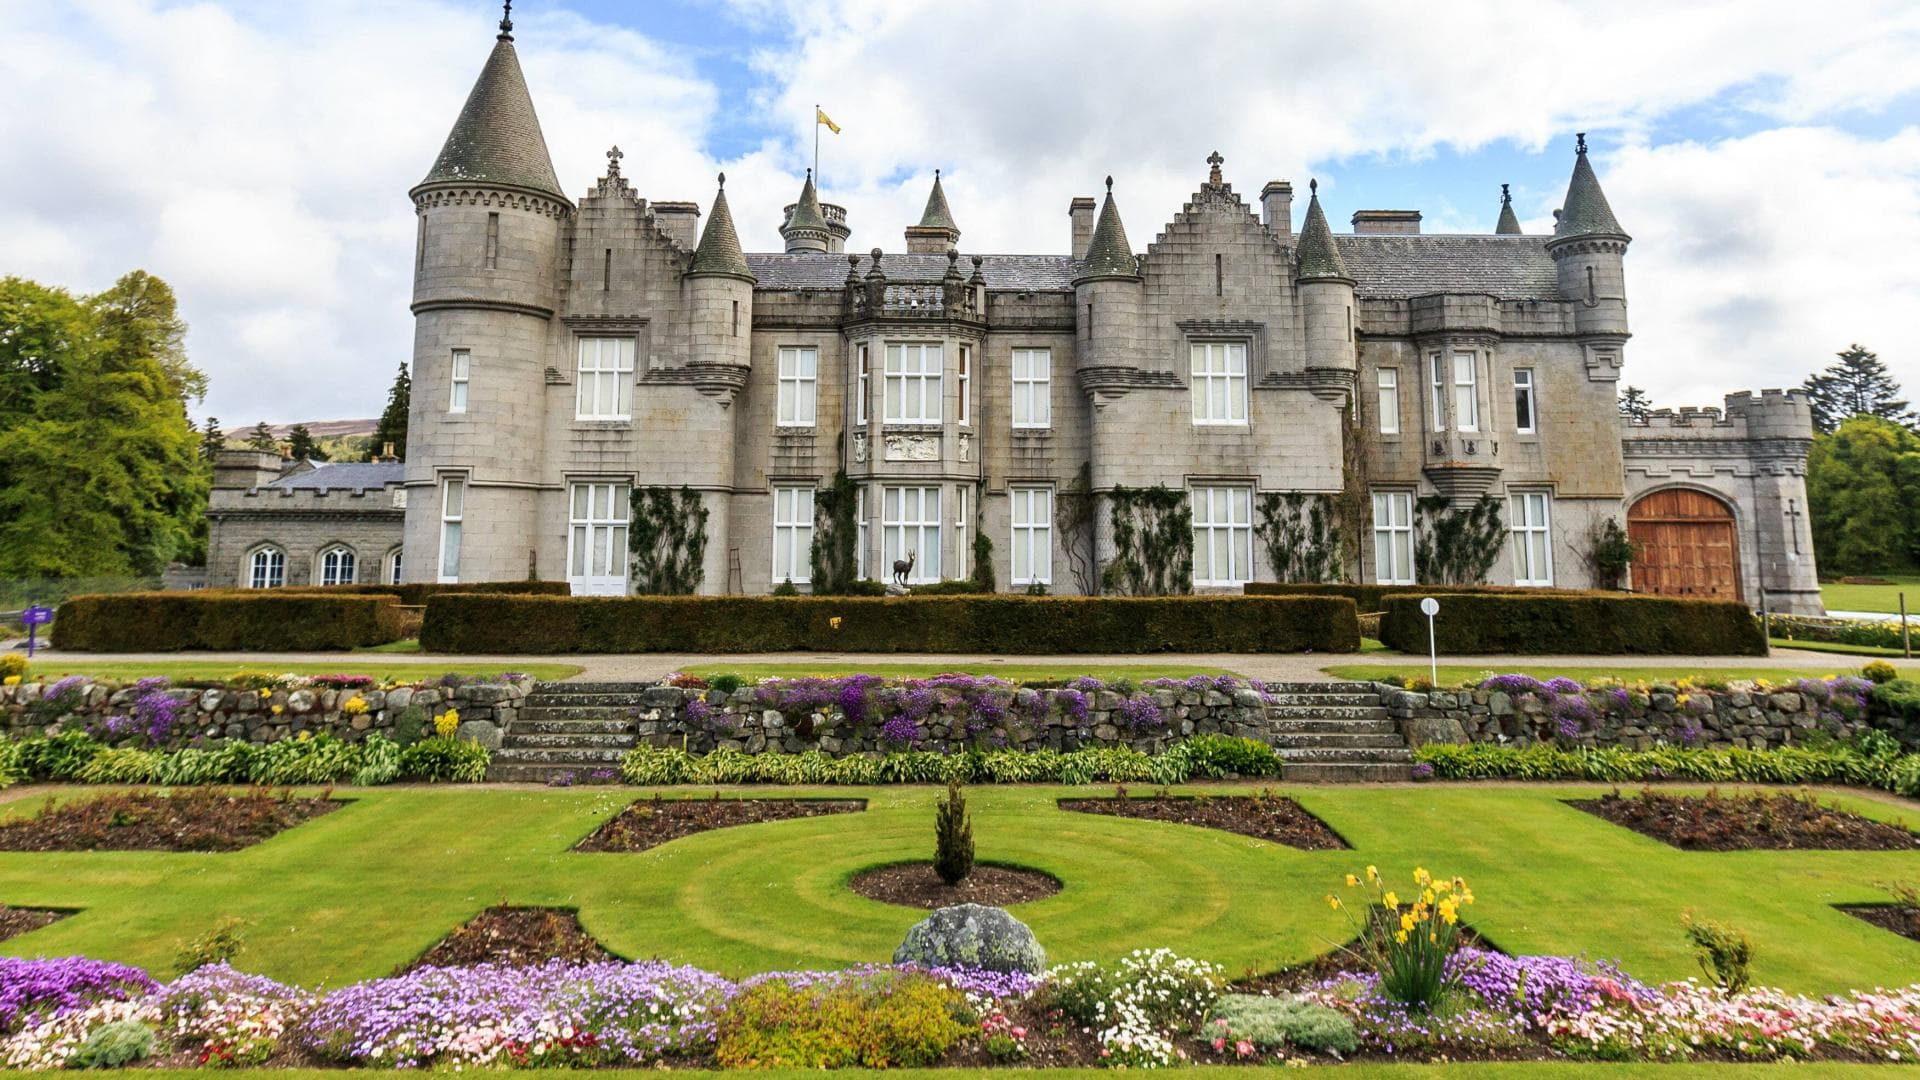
[[266, 568], [393, 567], [337, 566]]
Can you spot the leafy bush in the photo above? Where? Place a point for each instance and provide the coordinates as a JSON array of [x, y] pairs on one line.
[[123, 766], [658, 765], [1273, 1023], [1133, 1003], [13, 665], [445, 759], [1784, 765], [218, 945], [322, 759], [786, 588], [726, 682], [959, 587], [1725, 954], [379, 762], [114, 1044], [255, 620], [1218, 756], [1596, 623], [884, 1020], [1900, 698], [1410, 945], [1879, 671], [974, 623], [952, 837]]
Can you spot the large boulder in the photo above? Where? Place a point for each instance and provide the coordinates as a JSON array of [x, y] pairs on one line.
[[973, 936]]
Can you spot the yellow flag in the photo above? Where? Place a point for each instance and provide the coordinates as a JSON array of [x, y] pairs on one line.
[[820, 117]]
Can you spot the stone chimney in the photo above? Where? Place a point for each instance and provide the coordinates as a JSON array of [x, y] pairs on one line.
[[1386, 222], [1276, 208], [243, 469], [680, 221], [1081, 211]]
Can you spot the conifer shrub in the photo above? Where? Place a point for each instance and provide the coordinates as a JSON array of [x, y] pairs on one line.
[[952, 837]]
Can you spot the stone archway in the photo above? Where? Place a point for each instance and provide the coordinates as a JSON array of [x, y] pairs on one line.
[[1688, 545]]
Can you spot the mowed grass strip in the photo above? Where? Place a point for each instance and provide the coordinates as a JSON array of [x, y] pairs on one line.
[[1015, 672], [1840, 596], [361, 891], [55, 667], [1461, 674]]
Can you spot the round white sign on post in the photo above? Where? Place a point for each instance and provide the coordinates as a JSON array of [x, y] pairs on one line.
[[1429, 607]]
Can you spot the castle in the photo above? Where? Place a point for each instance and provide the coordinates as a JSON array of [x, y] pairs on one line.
[[568, 353]]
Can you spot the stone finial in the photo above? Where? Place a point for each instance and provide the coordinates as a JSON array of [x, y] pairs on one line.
[[1214, 161], [613, 162], [506, 21], [1506, 197], [1580, 142]]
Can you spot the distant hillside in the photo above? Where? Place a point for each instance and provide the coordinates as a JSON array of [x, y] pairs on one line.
[[340, 440]]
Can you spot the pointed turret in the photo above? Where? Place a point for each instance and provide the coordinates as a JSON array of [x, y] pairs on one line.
[[1108, 253], [1509, 224], [1319, 257], [497, 139], [936, 231], [806, 225], [719, 253], [1585, 212]]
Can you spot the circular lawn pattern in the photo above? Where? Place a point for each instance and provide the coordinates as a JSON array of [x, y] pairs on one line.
[[915, 885]]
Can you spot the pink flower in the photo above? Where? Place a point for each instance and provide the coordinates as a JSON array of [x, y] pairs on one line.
[[1243, 1048], [1019, 1033], [1219, 1044]]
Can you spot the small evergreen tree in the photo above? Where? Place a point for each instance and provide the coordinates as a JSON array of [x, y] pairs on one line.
[[1858, 385], [262, 438], [1635, 405], [212, 440], [393, 419], [953, 837], [302, 445]]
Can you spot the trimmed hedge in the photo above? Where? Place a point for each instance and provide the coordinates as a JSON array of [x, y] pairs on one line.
[[1898, 773], [414, 594], [1370, 598], [1597, 623], [270, 620], [983, 623]]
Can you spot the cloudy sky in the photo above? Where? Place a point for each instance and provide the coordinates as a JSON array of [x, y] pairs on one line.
[[1765, 155]]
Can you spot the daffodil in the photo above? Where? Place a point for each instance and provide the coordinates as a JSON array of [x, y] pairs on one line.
[[1392, 899], [1352, 881], [1406, 922], [1333, 902], [1400, 938], [1373, 874]]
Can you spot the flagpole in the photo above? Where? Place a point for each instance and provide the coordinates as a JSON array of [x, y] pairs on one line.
[[816, 145]]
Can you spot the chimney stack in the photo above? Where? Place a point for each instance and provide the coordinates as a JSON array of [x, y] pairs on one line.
[[1081, 211], [1386, 223], [1276, 208]]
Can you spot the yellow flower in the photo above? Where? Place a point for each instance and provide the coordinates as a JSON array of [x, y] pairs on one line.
[[1373, 874], [1406, 922], [834, 622], [1421, 877], [1333, 902], [354, 705], [447, 723], [1401, 937], [1351, 880], [278, 709], [14, 680], [1392, 900]]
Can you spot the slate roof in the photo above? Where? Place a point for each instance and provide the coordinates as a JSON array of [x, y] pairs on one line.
[[1585, 211], [1319, 255], [1108, 253], [1509, 224], [1396, 267], [719, 250], [497, 138], [345, 475], [1386, 267], [938, 215], [806, 209]]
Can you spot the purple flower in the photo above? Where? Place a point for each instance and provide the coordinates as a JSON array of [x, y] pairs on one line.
[[1140, 714], [1073, 703], [1564, 685], [1422, 771], [900, 730], [31, 989], [1514, 685], [1572, 714], [64, 687], [1087, 684]]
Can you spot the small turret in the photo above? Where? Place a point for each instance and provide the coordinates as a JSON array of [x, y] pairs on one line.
[[806, 227], [1108, 253], [936, 231], [720, 290], [719, 253], [1509, 224], [1107, 290], [1588, 248], [1326, 291]]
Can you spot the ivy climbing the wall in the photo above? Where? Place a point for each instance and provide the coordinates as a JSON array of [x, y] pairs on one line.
[[1301, 540], [983, 579], [1457, 547], [1609, 554], [1073, 516], [1152, 542], [835, 555], [668, 538]]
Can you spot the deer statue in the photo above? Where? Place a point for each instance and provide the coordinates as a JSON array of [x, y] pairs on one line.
[[903, 567]]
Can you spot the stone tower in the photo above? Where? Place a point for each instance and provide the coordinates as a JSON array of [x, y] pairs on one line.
[[1107, 291], [491, 220], [1326, 292], [1589, 249], [936, 231]]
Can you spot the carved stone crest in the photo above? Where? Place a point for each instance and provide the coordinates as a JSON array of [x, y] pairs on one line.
[[913, 447]]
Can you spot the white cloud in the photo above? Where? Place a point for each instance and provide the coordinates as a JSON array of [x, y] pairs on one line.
[[258, 155]]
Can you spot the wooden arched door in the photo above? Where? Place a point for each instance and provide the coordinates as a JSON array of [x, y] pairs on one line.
[[1687, 545]]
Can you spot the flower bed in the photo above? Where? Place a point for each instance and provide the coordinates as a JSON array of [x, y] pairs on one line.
[[1747, 821], [193, 820], [15, 921], [916, 884], [652, 822], [515, 937], [1265, 816]]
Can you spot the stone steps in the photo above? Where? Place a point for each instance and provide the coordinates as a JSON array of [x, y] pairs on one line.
[[1338, 740], [1312, 725], [1316, 701], [580, 713], [569, 728], [1330, 712], [518, 740], [548, 724]]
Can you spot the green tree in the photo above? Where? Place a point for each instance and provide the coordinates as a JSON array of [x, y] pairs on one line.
[[1858, 385], [1863, 495], [99, 470], [1635, 405], [393, 419], [302, 445], [212, 440], [261, 438]]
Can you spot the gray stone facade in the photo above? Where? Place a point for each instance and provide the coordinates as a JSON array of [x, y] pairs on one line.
[[569, 351], [265, 513]]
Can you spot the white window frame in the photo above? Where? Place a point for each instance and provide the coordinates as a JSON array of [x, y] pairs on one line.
[[394, 566], [860, 555], [453, 514], [461, 373], [1032, 388], [965, 378], [863, 360], [1525, 390], [266, 567], [1393, 537], [1466, 391], [1222, 533], [1032, 555], [337, 564], [793, 533], [1531, 524], [1438, 365], [1218, 373], [799, 381], [913, 382], [598, 515], [962, 551], [603, 374], [1387, 399], [910, 519]]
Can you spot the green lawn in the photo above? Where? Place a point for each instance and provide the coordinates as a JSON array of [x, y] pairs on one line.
[[183, 670], [1457, 674], [1839, 597], [1012, 672], [361, 891], [1874, 651], [1519, 1070]]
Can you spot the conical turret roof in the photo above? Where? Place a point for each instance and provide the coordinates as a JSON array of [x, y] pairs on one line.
[[1509, 224], [1108, 253], [1319, 258], [497, 139], [1585, 211], [719, 253], [806, 212], [938, 215]]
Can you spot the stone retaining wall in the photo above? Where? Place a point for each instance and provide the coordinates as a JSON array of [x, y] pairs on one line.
[[1717, 719], [263, 716]]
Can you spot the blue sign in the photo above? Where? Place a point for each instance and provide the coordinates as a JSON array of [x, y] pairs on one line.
[[37, 615]]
